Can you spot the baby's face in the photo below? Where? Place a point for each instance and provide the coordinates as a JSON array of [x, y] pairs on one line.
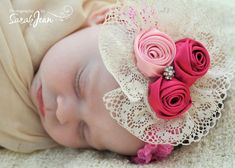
[[74, 113]]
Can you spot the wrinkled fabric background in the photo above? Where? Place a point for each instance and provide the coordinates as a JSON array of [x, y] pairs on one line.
[[215, 150]]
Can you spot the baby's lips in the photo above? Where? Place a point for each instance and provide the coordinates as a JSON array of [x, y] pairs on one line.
[[40, 101]]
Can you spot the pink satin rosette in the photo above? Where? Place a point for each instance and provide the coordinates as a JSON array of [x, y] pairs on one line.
[[169, 98], [153, 51], [191, 62]]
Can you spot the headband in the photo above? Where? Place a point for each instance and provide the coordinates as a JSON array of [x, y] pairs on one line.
[[173, 66]]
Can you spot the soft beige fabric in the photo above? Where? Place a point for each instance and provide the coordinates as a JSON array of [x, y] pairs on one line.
[[217, 150], [22, 48]]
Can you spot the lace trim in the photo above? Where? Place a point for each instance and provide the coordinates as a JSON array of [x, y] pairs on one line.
[[128, 104]]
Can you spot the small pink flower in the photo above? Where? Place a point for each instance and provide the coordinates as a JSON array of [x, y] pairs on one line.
[[153, 51], [169, 98], [192, 61], [151, 153]]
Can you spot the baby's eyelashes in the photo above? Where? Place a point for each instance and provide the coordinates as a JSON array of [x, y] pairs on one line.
[[77, 83], [81, 130]]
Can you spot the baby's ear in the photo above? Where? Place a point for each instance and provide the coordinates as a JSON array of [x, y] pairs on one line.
[[97, 17]]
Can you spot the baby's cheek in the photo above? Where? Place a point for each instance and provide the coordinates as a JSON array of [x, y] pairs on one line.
[[129, 146], [122, 142]]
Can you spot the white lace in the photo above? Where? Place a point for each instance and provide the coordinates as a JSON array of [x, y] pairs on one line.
[[179, 19]]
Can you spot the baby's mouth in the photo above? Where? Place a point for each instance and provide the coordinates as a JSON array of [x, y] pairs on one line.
[[40, 101]]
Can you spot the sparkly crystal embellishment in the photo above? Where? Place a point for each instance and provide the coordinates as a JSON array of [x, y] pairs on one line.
[[169, 72]]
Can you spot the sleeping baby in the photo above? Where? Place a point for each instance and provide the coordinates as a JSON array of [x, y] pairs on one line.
[[68, 90], [120, 79]]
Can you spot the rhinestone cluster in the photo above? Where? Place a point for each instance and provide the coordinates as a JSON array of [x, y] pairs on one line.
[[169, 72]]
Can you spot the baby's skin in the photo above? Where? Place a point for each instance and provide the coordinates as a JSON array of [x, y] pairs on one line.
[[74, 112]]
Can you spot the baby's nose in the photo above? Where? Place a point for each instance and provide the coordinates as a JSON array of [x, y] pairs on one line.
[[65, 111]]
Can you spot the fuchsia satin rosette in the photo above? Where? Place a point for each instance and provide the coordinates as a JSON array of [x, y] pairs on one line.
[[169, 98], [154, 50], [192, 61]]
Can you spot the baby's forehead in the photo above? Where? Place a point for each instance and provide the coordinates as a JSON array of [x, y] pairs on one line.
[[82, 43], [86, 34]]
